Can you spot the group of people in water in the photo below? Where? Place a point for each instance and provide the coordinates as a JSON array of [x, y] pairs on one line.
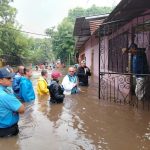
[[17, 89], [76, 76]]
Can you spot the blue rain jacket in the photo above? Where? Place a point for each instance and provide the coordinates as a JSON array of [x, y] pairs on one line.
[[26, 92]]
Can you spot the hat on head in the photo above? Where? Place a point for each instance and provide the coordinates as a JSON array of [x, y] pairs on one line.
[[83, 62], [6, 72], [56, 75]]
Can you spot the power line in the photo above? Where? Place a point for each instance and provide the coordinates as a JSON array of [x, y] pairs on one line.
[[33, 33], [28, 32]]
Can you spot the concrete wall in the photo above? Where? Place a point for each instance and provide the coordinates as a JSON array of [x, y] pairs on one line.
[[92, 50]]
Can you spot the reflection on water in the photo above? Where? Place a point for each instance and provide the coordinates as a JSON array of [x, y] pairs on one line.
[[43, 103], [54, 114], [9, 143], [82, 122], [27, 122], [147, 135], [68, 127]]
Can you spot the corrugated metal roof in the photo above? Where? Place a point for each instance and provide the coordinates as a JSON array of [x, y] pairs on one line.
[[124, 12], [128, 9]]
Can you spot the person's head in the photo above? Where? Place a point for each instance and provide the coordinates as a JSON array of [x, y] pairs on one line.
[[83, 63], [28, 72], [56, 75], [75, 67], [133, 48], [44, 73], [6, 76], [21, 70], [71, 71]]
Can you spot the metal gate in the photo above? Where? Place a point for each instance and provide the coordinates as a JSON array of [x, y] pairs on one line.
[[118, 82]]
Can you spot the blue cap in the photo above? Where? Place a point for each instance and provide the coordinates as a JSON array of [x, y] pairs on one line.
[[6, 73]]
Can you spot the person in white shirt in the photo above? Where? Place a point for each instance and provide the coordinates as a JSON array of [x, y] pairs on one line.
[[70, 82]]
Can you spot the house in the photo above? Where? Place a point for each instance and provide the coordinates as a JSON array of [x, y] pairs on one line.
[[87, 41], [128, 23]]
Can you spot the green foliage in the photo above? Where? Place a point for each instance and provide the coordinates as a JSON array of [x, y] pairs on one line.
[[7, 13], [17, 48], [40, 51], [13, 45], [62, 38], [75, 13], [92, 11], [95, 10]]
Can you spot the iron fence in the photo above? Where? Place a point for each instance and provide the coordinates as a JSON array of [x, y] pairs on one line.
[[118, 80]]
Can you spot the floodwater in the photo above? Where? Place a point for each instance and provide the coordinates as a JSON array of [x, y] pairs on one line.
[[82, 122]]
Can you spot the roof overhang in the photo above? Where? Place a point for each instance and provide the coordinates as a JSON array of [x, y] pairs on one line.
[[85, 27], [128, 9], [124, 12]]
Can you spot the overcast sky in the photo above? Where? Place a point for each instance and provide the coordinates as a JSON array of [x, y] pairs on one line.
[[37, 15]]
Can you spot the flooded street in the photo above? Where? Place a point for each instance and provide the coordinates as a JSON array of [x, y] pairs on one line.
[[82, 122]]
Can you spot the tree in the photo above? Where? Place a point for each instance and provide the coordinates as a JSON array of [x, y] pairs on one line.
[[62, 38], [63, 41], [75, 13], [95, 10], [7, 13], [14, 45], [40, 51]]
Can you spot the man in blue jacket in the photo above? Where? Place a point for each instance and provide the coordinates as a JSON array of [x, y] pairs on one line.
[[139, 69], [10, 106], [16, 81]]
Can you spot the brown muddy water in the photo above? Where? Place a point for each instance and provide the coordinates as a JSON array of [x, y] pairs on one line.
[[82, 122]]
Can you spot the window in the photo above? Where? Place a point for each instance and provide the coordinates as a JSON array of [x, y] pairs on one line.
[[117, 61]]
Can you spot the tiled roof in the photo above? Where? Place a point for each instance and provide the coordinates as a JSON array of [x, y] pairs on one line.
[[85, 27]]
